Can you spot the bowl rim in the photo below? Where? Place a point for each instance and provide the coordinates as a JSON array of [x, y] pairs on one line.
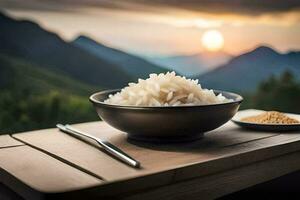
[[92, 99]]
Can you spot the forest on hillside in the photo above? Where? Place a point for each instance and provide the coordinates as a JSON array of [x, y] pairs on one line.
[[31, 98]]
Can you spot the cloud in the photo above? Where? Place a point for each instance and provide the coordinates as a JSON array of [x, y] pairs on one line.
[[193, 23], [246, 7], [243, 7]]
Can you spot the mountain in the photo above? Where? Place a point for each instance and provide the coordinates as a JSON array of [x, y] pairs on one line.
[[245, 72], [27, 40], [135, 66], [17, 75], [193, 65]]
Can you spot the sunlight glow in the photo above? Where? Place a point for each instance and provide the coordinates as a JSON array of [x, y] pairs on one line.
[[212, 40]]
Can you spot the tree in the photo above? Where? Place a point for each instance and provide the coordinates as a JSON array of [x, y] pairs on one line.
[[282, 94]]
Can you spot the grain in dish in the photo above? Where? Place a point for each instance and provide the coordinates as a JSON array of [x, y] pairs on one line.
[[166, 89], [270, 117]]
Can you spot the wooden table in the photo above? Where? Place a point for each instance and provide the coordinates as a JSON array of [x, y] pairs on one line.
[[49, 164]]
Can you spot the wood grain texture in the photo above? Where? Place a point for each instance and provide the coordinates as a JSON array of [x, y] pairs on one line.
[[221, 151], [238, 158], [7, 141], [39, 172], [84, 155], [220, 184], [154, 158]]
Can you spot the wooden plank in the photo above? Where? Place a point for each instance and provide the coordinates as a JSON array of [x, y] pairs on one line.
[[84, 155], [220, 184], [154, 158], [236, 158], [223, 149], [242, 154], [7, 141], [33, 174]]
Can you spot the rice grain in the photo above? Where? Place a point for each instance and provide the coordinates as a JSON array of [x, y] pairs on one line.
[[165, 90]]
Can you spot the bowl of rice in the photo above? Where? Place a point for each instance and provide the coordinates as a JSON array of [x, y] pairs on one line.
[[165, 108]]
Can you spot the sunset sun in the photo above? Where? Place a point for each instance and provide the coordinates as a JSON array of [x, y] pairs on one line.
[[212, 40]]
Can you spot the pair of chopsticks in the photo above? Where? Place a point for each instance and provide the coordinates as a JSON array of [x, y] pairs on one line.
[[108, 147]]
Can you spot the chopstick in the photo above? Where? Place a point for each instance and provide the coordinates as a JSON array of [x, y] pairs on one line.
[[108, 147]]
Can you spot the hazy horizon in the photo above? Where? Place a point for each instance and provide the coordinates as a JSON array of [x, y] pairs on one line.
[[148, 30]]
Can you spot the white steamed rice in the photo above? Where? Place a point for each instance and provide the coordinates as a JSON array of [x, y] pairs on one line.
[[165, 90]]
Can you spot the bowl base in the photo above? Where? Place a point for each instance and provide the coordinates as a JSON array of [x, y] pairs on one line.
[[175, 139]]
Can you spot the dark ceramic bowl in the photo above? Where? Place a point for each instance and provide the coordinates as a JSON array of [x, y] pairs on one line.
[[165, 124]]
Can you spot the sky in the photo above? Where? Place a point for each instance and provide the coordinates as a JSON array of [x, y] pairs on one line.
[[168, 27]]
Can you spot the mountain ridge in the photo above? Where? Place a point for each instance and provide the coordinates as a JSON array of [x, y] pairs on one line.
[[194, 64], [137, 67], [29, 41], [250, 68]]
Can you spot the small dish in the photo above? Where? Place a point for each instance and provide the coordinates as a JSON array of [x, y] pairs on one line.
[[166, 124], [265, 127]]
